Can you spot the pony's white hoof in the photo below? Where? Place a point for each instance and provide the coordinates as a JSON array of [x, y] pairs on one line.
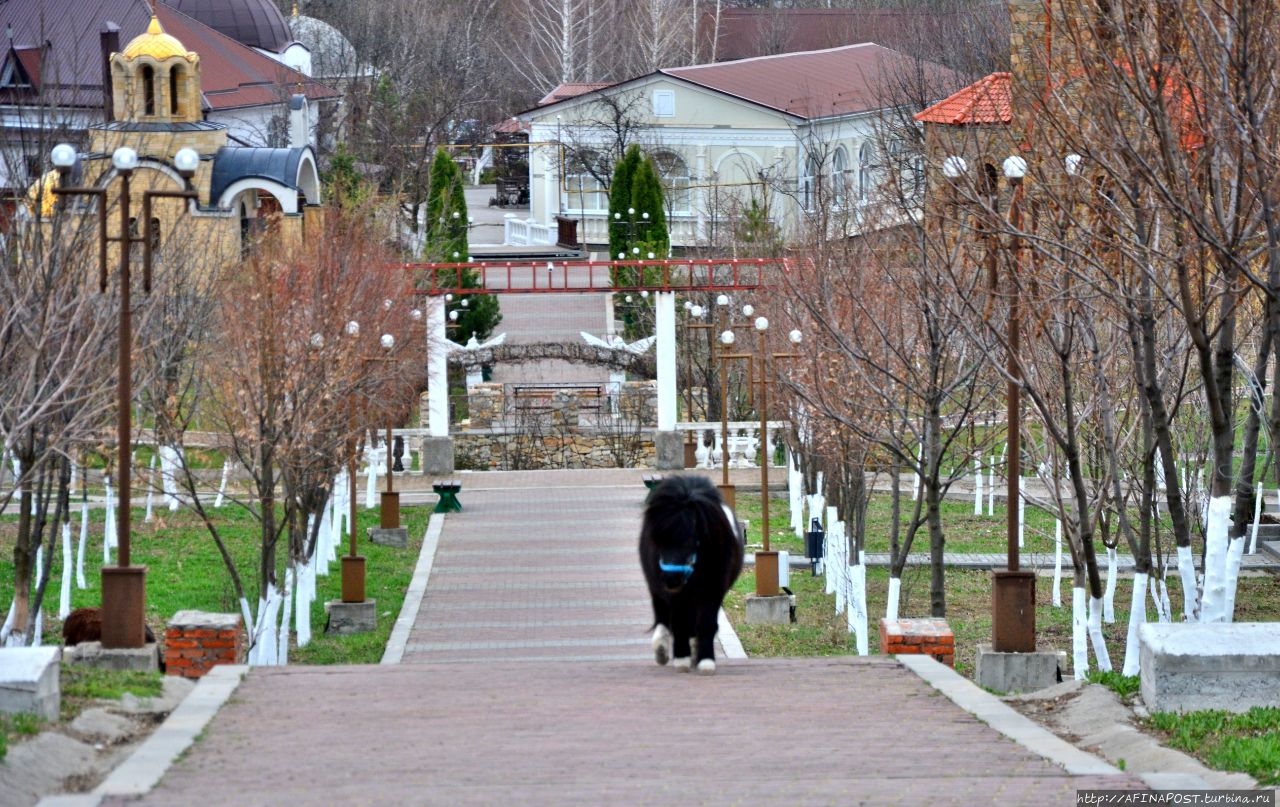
[[706, 667], [682, 664], [661, 644]]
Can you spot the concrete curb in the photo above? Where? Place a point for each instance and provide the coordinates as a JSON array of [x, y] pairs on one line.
[[399, 637], [1004, 719], [142, 771], [729, 638]]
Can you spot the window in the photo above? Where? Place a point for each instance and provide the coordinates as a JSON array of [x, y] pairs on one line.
[[808, 183], [175, 91], [148, 89], [664, 104], [583, 181], [866, 171], [839, 177], [674, 174]]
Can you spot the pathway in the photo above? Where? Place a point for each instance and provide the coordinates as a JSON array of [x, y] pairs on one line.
[[526, 679]]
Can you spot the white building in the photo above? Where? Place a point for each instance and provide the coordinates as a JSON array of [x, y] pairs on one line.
[[792, 135]]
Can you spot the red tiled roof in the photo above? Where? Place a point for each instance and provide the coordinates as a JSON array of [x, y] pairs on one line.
[[71, 66], [566, 91], [819, 83], [746, 32], [233, 75], [987, 101]]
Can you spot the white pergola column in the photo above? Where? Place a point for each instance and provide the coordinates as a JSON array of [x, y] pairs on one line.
[[665, 319], [437, 369]]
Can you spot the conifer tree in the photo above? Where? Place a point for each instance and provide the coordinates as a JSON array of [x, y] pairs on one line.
[[446, 242]]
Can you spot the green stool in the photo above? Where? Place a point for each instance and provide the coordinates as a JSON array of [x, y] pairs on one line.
[[651, 481], [447, 490]]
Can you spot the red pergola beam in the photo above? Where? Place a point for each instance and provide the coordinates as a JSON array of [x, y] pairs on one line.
[[580, 277]]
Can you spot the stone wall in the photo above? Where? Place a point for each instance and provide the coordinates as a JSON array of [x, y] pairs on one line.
[[557, 428]]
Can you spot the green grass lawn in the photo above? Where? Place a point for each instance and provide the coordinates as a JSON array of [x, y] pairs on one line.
[[186, 572], [1248, 743]]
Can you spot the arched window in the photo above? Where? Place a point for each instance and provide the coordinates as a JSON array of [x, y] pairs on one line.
[[808, 183], [175, 91], [866, 170], [674, 174], [148, 90], [839, 177], [584, 175]]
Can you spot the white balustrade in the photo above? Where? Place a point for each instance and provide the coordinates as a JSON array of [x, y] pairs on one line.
[[520, 232]]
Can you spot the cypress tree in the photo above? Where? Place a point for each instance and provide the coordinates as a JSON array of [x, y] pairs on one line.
[[620, 229], [447, 242], [646, 198]]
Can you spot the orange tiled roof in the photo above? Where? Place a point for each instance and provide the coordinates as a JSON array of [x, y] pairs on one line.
[[987, 101], [570, 90]]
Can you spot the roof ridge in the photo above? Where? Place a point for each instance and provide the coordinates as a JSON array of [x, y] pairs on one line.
[[789, 54]]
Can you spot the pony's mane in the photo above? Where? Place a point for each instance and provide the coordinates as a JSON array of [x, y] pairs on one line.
[[683, 503]]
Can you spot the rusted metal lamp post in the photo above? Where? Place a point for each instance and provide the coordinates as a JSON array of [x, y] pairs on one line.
[[389, 505], [1013, 612], [124, 591]]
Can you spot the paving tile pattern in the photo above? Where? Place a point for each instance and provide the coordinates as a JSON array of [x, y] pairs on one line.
[[528, 680]]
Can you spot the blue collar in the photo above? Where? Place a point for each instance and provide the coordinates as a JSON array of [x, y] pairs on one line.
[[682, 568]]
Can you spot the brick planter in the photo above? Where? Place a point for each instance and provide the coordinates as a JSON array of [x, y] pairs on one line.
[[195, 641], [928, 637]]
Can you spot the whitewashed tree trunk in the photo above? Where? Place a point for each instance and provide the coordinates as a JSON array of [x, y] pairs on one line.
[[795, 494], [170, 461], [1190, 589], [991, 488], [1057, 564], [1109, 594], [1257, 517], [7, 637], [915, 475], [895, 597], [248, 616], [1022, 518], [858, 607], [1137, 616], [1213, 603], [68, 561], [977, 485], [1095, 635], [1235, 557], [151, 489], [265, 649], [37, 631], [1160, 600], [108, 528], [1079, 634], [222, 486], [289, 595], [82, 546], [324, 541]]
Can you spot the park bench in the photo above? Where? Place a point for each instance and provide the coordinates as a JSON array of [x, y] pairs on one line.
[[651, 481], [447, 490], [539, 396]]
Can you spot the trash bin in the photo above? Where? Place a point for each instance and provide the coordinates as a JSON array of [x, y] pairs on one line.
[[815, 544]]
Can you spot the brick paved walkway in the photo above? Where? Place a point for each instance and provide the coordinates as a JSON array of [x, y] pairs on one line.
[[527, 680]]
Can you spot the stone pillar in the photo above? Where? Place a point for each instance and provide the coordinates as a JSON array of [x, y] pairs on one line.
[[437, 449], [667, 442]]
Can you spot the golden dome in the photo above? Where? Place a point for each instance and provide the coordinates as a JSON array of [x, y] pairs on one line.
[[156, 44]]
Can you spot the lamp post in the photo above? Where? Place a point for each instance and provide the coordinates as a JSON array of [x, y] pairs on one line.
[[728, 492], [124, 585], [766, 559], [1013, 614], [389, 506], [1013, 588]]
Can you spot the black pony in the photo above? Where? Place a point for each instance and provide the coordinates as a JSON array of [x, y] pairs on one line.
[[691, 554]]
